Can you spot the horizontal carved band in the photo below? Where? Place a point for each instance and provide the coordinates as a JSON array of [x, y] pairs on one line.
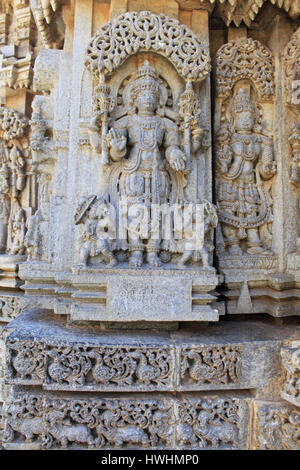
[[206, 422]]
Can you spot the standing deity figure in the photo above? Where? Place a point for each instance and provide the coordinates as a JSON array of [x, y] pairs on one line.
[[244, 159], [151, 162]]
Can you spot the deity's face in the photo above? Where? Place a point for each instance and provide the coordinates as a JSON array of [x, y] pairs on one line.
[[244, 121], [147, 101]]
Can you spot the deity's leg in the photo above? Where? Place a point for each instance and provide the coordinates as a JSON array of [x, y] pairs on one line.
[[136, 259], [254, 243], [231, 240]]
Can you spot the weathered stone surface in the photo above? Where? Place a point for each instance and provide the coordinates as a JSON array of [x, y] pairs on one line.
[[276, 426], [149, 251]]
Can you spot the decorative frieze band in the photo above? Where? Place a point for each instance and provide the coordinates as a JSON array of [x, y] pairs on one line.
[[210, 422], [123, 367]]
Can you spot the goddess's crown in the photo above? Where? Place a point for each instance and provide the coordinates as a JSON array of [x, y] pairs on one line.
[[242, 102]]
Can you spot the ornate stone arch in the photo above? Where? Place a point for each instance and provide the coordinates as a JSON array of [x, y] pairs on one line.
[[291, 64], [134, 32], [245, 59]]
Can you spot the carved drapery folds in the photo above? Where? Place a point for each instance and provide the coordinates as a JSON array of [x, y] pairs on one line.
[[244, 149]]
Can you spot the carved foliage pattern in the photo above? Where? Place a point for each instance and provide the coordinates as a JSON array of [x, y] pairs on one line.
[[290, 356], [93, 423], [278, 428], [211, 365], [209, 422], [10, 308], [245, 59], [105, 367], [133, 32]]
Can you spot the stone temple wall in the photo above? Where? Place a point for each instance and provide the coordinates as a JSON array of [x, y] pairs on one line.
[[150, 224]]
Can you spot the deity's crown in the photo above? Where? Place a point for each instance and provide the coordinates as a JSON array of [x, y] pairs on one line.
[[242, 102], [146, 78]]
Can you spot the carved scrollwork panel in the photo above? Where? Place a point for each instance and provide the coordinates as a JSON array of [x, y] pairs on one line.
[[245, 59], [216, 365], [145, 31]]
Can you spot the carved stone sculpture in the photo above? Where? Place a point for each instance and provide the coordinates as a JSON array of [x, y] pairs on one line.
[[244, 160], [290, 356]]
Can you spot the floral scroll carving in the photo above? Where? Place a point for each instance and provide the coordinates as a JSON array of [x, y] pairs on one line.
[[92, 368], [245, 59], [277, 427], [145, 31], [209, 423], [211, 365], [60, 423]]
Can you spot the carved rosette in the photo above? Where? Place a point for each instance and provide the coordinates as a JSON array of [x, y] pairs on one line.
[[245, 59]]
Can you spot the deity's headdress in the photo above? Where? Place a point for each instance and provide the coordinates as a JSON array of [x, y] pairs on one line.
[[145, 78]]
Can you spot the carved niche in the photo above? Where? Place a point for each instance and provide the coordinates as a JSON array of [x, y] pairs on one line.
[[245, 164], [148, 137]]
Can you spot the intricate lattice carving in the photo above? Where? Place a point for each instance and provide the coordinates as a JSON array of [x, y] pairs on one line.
[[245, 59], [145, 31]]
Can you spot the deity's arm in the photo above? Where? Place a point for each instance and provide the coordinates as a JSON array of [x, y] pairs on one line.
[[117, 140], [173, 154], [267, 166]]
